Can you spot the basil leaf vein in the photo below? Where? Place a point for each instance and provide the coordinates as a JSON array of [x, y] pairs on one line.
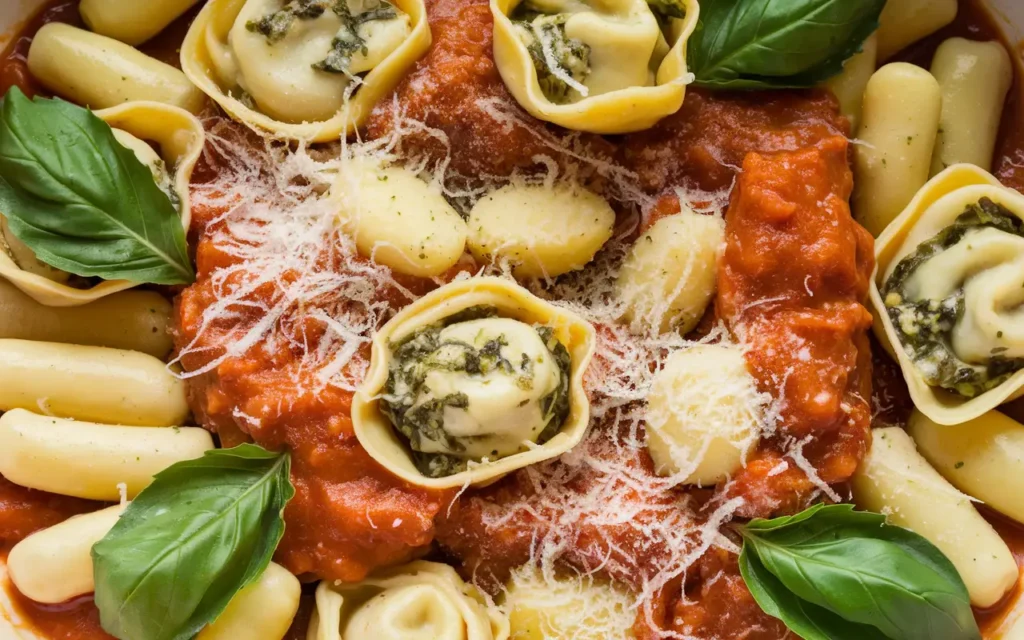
[[851, 565], [758, 44], [81, 201], [202, 531]]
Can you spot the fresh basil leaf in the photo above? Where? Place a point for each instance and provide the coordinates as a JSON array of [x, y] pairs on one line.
[[759, 44], [81, 201], [808, 621], [203, 530], [852, 564]]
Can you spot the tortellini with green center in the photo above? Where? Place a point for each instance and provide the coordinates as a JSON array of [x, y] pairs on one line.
[[476, 386], [607, 66], [164, 138], [420, 601], [308, 69], [948, 292], [543, 231], [704, 413], [567, 607], [473, 381]]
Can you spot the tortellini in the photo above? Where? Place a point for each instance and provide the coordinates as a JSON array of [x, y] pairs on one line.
[[704, 414], [605, 66], [180, 138], [473, 381], [668, 278], [419, 601], [399, 220], [948, 291], [567, 608], [304, 69], [543, 231]]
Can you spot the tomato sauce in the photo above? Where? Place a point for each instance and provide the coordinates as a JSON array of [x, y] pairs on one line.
[[782, 244]]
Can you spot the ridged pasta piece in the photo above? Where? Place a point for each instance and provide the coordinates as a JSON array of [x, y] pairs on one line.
[[55, 565], [543, 231], [131, 21], [101, 72], [264, 610], [88, 460], [975, 78], [113, 386], [897, 132], [668, 278], [133, 320], [894, 479]]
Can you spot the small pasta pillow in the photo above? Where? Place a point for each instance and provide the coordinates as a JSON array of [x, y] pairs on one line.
[[421, 600], [668, 278], [180, 138], [473, 381], [399, 220], [307, 71], [704, 414], [567, 607], [947, 292], [613, 66], [543, 231]]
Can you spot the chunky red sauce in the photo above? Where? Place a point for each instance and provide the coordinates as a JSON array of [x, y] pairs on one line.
[[783, 243]]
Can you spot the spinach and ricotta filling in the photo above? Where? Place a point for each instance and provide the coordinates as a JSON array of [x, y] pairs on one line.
[[353, 36], [948, 304], [581, 48], [476, 386]]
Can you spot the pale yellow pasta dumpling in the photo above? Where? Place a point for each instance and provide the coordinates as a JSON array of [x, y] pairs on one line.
[[668, 278], [703, 414], [542, 231], [399, 220], [566, 607]]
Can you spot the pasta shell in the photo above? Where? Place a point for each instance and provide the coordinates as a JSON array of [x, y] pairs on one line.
[[934, 208], [381, 440], [619, 111], [180, 137], [419, 600], [206, 45]]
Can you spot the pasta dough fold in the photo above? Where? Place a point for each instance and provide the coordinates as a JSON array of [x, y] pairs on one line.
[[947, 294], [309, 70], [180, 138], [474, 381], [614, 66], [419, 601]]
